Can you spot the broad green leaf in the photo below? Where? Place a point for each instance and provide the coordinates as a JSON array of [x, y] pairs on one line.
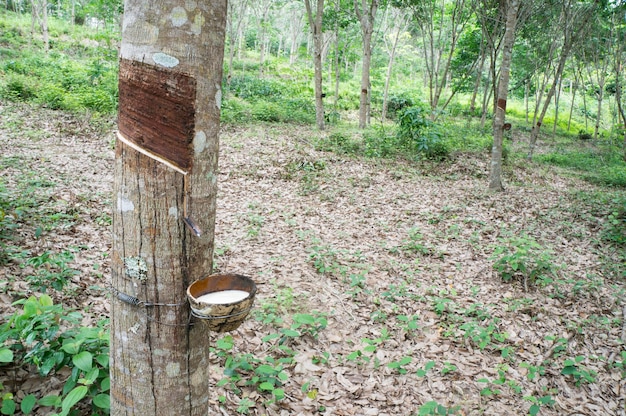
[[304, 318], [74, 397], [103, 401], [429, 365], [266, 386], [8, 407], [105, 385], [28, 403], [270, 337], [6, 355], [91, 376], [291, 333], [71, 347], [279, 394], [103, 360], [405, 360], [45, 300], [51, 400], [225, 343], [534, 410], [265, 369], [83, 360]]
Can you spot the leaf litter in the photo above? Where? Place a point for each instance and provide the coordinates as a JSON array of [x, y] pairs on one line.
[[395, 256]]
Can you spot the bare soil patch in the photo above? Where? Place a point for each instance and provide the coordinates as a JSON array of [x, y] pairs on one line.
[[395, 256]]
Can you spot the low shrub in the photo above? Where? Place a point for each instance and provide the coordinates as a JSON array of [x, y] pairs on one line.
[[41, 334]]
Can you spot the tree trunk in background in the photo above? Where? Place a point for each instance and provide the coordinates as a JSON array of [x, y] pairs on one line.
[[479, 75], [557, 97], [401, 19], [236, 15], [436, 21], [574, 27], [495, 176], [39, 14], [315, 23], [366, 13], [618, 68], [170, 76], [296, 26]]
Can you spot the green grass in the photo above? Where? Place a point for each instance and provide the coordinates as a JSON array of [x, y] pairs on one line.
[[78, 74], [602, 165]]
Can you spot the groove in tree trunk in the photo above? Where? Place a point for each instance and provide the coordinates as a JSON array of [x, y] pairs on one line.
[[170, 77]]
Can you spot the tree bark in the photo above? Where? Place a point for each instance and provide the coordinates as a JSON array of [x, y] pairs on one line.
[[401, 19], [618, 67], [236, 10], [495, 176], [366, 13], [170, 76], [573, 30], [315, 23]]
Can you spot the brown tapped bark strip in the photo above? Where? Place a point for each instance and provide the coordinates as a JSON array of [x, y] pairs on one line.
[[157, 109]]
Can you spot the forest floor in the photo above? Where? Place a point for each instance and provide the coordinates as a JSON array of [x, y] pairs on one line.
[[377, 292]]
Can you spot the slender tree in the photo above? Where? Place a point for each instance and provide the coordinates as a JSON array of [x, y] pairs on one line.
[[165, 178], [234, 23], [598, 53], [39, 16], [315, 24], [296, 28], [495, 176], [398, 19], [492, 17], [441, 25], [574, 19], [366, 13], [618, 66], [262, 9]]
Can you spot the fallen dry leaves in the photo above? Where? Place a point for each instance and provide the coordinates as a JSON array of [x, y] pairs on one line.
[[396, 242]]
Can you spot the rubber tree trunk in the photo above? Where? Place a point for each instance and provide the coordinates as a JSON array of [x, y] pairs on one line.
[[170, 92], [366, 13], [315, 24], [495, 176]]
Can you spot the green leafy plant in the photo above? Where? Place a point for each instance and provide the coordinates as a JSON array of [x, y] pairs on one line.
[[399, 365], [408, 322], [434, 408], [267, 375], [43, 335], [614, 229], [482, 335], [523, 257], [621, 364], [493, 386], [533, 370], [417, 133], [51, 270], [537, 402], [422, 372], [577, 371], [255, 221], [309, 324], [324, 257], [448, 368]]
